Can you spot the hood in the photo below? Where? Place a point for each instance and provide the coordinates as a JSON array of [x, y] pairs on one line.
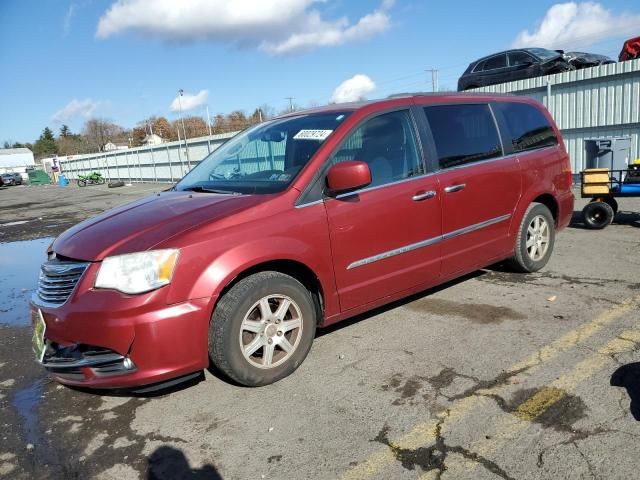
[[143, 224]]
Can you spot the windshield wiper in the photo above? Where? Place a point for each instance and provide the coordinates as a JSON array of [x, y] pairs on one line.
[[199, 188]]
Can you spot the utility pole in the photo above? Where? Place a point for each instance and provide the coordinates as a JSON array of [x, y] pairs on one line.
[[291, 99], [209, 125], [184, 132], [434, 78]]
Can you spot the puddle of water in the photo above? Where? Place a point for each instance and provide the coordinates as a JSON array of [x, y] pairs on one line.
[[19, 269], [26, 404]]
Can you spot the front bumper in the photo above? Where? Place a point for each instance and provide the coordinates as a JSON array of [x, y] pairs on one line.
[[105, 339]]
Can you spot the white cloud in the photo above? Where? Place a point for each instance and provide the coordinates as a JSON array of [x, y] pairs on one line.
[[277, 26], [353, 89], [573, 25], [75, 109], [66, 23], [189, 102]]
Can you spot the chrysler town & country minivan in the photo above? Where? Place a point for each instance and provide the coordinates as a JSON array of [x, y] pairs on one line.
[[296, 223]]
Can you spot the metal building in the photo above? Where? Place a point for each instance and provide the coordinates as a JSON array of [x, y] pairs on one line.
[[591, 103], [15, 157]]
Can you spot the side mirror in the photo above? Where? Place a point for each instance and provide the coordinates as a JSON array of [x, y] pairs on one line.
[[347, 176]]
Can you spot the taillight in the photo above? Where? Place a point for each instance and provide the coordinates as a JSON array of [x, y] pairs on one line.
[[567, 172], [569, 178]]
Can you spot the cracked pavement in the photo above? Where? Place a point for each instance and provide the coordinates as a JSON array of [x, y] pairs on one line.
[[494, 376]]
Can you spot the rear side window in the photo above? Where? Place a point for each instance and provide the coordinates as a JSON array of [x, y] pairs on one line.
[[463, 134], [386, 143], [528, 127], [479, 67], [499, 61]]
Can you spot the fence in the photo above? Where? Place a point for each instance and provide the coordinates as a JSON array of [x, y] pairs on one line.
[[594, 102], [166, 162]]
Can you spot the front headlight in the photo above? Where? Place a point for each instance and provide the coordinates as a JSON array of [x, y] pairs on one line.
[[137, 272]]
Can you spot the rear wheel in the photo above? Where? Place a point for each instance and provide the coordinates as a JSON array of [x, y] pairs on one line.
[[597, 215], [535, 240], [262, 329]]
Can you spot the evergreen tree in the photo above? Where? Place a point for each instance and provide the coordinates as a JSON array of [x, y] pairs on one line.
[[45, 145]]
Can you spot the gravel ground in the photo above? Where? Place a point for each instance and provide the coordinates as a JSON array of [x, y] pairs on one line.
[[495, 375]]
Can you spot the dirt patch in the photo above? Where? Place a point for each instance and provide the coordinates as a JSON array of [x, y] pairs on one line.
[[475, 312], [548, 406]]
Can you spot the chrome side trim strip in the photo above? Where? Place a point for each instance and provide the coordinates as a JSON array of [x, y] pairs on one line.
[[477, 226], [393, 253], [428, 242]]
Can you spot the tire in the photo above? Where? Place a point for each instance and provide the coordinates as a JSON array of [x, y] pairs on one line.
[[535, 240], [239, 334], [597, 215], [82, 183], [101, 181], [612, 202]]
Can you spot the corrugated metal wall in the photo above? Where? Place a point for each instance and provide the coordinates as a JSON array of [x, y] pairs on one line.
[[593, 102], [167, 162]]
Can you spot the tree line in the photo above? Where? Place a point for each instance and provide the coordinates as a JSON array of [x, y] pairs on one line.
[[98, 132]]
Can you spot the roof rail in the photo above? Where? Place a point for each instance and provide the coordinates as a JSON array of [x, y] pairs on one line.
[[455, 94]]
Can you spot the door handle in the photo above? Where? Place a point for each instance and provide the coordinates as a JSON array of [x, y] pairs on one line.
[[423, 195], [454, 188]]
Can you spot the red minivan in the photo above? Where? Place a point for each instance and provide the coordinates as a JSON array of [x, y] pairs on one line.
[[296, 223]]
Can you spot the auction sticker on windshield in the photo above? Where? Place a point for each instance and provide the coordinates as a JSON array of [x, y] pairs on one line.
[[39, 328], [312, 135]]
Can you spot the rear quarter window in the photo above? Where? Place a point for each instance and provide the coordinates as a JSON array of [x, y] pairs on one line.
[[463, 133], [528, 128]]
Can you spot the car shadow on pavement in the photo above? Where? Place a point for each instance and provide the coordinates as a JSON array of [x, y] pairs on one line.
[[398, 303], [628, 376], [169, 463], [124, 392]]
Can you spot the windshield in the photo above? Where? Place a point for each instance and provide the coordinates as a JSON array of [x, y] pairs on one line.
[[544, 54], [264, 158]]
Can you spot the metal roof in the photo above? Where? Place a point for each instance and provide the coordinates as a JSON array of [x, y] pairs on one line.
[[13, 151]]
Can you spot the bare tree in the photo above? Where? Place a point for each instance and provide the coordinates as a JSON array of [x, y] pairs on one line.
[[100, 131]]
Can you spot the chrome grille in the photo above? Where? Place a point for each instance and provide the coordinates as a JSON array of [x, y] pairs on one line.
[[58, 279]]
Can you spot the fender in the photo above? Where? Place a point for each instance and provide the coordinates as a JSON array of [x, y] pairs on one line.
[[534, 190], [232, 262]]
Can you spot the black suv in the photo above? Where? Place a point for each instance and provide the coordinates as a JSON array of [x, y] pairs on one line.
[[513, 65]]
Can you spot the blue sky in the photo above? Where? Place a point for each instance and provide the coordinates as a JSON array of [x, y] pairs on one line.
[[125, 62]]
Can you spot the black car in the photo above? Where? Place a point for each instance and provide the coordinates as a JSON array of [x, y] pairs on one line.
[[513, 65], [11, 179]]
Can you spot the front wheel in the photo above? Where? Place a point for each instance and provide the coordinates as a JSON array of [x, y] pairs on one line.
[[262, 329], [535, 240]]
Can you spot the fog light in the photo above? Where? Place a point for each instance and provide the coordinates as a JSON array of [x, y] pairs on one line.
[[127, 363]]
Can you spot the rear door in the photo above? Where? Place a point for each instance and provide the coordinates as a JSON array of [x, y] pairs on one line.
[[385, 238], [521, 65], [479, 186], [495, 69]]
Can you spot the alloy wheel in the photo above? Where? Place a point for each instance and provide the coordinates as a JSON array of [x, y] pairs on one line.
[[271, 331], [538, 236]]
